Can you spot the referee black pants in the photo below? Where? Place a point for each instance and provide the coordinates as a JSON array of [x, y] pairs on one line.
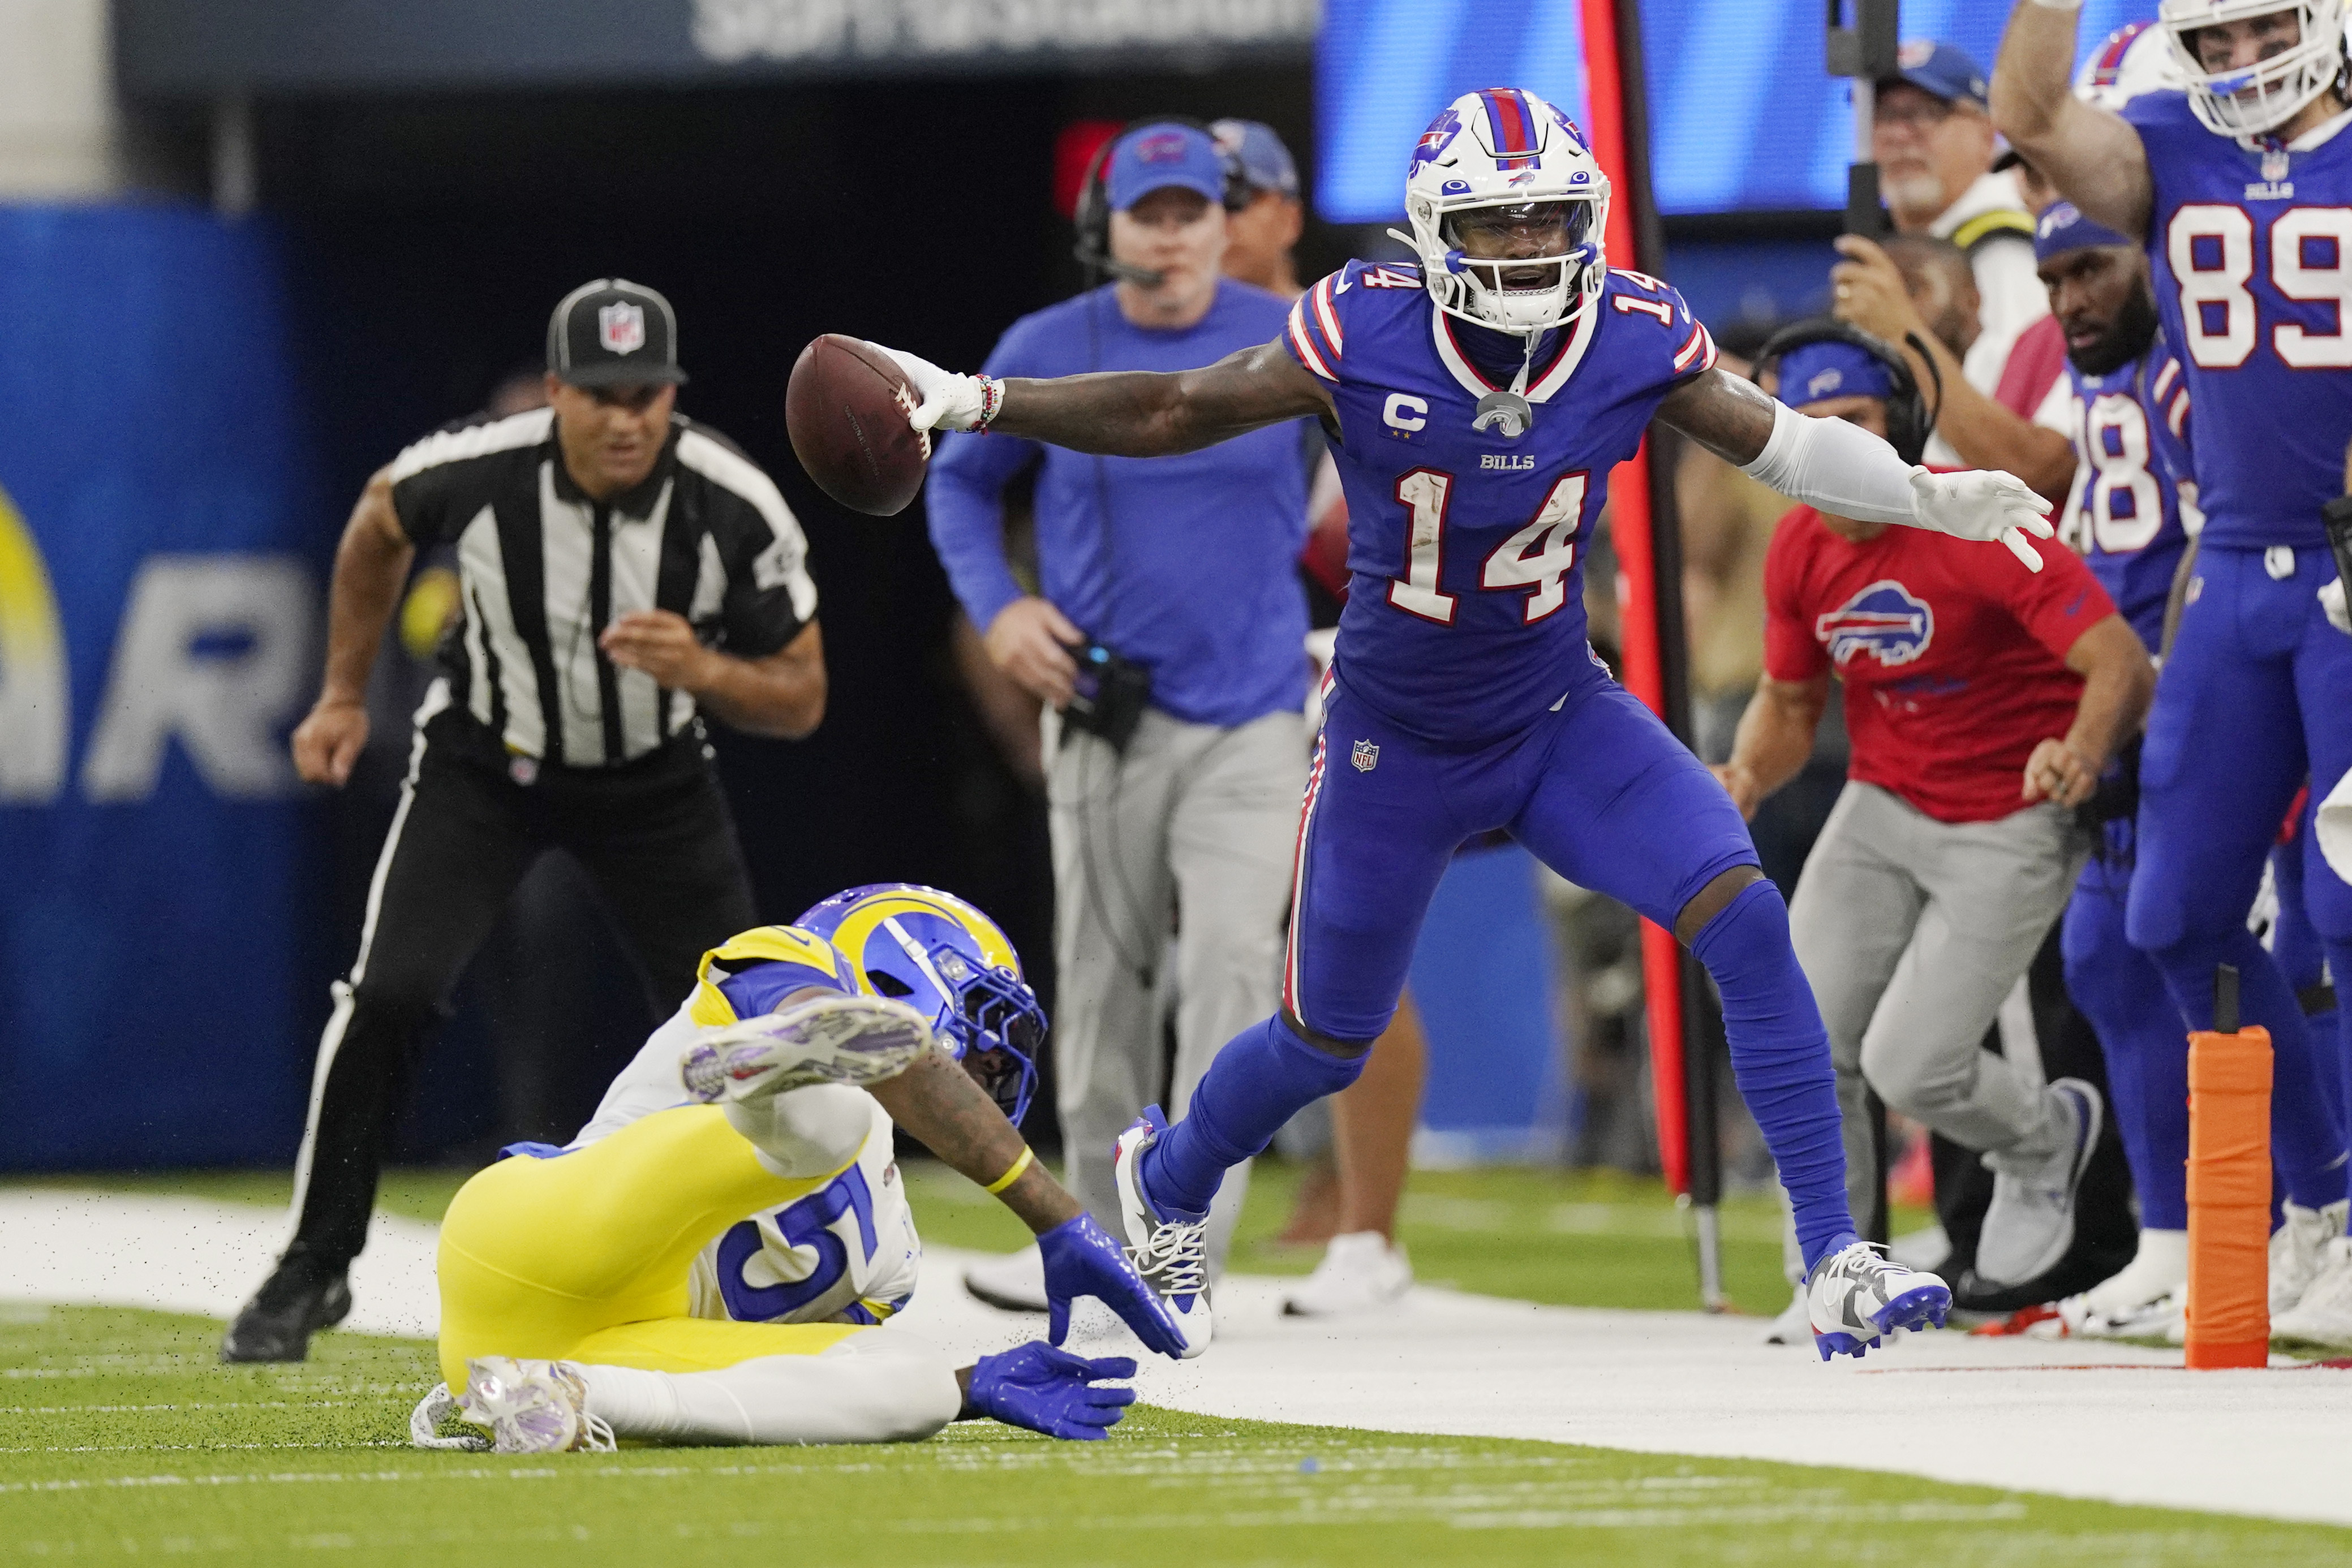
[[656, 837]]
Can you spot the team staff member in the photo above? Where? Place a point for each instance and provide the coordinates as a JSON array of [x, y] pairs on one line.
[[1185, 566], [1982, 702], [621, 569], [1932, 136]]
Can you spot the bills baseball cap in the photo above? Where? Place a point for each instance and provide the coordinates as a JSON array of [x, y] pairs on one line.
[[1945, 71], [1814, 372], [610, 331], [1265, 162], [1154, 157], [2064, 228]]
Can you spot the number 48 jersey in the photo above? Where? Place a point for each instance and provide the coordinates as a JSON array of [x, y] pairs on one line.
[[2250, 246], [1466, 614], [2135, 506]]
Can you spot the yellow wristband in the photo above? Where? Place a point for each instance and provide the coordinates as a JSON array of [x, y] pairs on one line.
[[1028, 1157]]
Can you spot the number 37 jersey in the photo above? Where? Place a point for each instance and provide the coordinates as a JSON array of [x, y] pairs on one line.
[[1465, 611], [2251, 247]]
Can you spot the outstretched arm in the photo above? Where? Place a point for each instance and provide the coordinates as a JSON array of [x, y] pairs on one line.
[[1844, 470], [937, 1101], [2093, 157], [1124, 413]]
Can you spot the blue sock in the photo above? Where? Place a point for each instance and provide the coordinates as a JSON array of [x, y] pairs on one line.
[[2306, 1141], [1781, 1059], [1263, 1076]]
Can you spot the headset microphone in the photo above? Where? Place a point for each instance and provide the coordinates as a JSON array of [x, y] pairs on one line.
[[1126, 272]]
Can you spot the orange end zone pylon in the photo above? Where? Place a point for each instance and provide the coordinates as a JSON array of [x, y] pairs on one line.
[[2229, 1187]]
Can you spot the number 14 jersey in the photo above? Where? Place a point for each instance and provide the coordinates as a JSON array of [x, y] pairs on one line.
[[1466, 612], [2250, 246]]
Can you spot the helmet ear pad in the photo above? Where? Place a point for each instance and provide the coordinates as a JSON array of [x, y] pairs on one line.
[[1909, 421]]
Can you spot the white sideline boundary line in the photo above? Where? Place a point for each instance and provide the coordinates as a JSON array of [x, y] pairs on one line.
[[2075, 1418]]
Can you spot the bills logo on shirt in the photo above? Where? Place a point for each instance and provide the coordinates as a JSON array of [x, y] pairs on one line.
[[1885, 619]]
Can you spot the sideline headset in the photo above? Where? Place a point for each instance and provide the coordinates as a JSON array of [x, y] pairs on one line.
[[1092, 215], [1909, 419]]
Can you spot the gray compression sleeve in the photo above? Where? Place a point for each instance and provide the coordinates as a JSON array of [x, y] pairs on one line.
[[1839, 467]]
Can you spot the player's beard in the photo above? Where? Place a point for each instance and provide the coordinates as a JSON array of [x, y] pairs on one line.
[[2126, 339]]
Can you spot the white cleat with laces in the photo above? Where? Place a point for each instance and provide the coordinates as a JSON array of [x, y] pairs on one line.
[[532, 1407], [1172, 1255], [2323, 1316], [831, 1040], [1856, 1295], [2298, 1247]]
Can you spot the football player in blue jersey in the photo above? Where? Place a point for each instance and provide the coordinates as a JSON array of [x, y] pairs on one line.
[[1475, 404], [2131, 514], [2241, 187]]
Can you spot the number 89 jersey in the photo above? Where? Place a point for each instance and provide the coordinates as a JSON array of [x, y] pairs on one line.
[[1465, 614], [2135, 506], [2251, 247]]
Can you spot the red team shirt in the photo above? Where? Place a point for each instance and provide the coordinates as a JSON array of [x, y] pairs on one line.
[[1953, 655]]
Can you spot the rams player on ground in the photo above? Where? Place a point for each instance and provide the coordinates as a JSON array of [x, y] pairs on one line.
[[714, 1273]]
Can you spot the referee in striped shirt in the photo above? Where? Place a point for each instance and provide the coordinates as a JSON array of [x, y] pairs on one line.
[[622, 569]]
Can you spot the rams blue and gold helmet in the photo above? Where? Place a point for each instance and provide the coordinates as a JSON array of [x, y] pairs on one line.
[[952, 964]]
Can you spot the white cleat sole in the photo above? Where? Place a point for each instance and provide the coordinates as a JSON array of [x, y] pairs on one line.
[[833, 1040], [532, 1407]]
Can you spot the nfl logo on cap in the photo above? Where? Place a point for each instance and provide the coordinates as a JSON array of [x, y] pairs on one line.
[[1366, 757], [620, 326]]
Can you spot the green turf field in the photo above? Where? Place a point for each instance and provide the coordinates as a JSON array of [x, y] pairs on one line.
[[122, 1439]]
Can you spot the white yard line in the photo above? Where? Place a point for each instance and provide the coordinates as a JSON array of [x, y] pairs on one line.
[[2074, 1418]]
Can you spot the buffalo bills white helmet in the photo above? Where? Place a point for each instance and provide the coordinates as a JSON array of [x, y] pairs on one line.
[[1505, 159], [2136, 57], [2248, 101]]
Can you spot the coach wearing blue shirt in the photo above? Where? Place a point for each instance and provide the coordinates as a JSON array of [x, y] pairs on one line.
[[1185, 566]]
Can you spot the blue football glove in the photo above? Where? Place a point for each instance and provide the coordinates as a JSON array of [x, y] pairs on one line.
[[1080, 1260], [1051, 1391]]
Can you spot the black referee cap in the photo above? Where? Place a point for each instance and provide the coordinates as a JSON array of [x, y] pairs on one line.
[[612, 331]]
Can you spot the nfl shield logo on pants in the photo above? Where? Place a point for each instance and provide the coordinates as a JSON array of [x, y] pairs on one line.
[[620, 326], [1366, 756]]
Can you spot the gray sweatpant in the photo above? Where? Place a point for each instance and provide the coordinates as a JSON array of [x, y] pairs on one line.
[[1912, 931], [1194, 826]]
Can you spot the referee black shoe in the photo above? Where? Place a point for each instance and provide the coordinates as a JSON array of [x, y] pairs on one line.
[[303, 1296]]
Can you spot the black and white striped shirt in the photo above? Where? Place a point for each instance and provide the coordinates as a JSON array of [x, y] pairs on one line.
[[544, 569]]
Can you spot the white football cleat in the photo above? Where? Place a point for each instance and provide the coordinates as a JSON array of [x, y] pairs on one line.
[[1170, 1255], [832, 1040], [1855, 1296], [532, 1407], [2087, 1316], [1361, 1273], [2143, 1300], [2296, 1248], [2323, 1316], [1795, 1323], [424, 1424]]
